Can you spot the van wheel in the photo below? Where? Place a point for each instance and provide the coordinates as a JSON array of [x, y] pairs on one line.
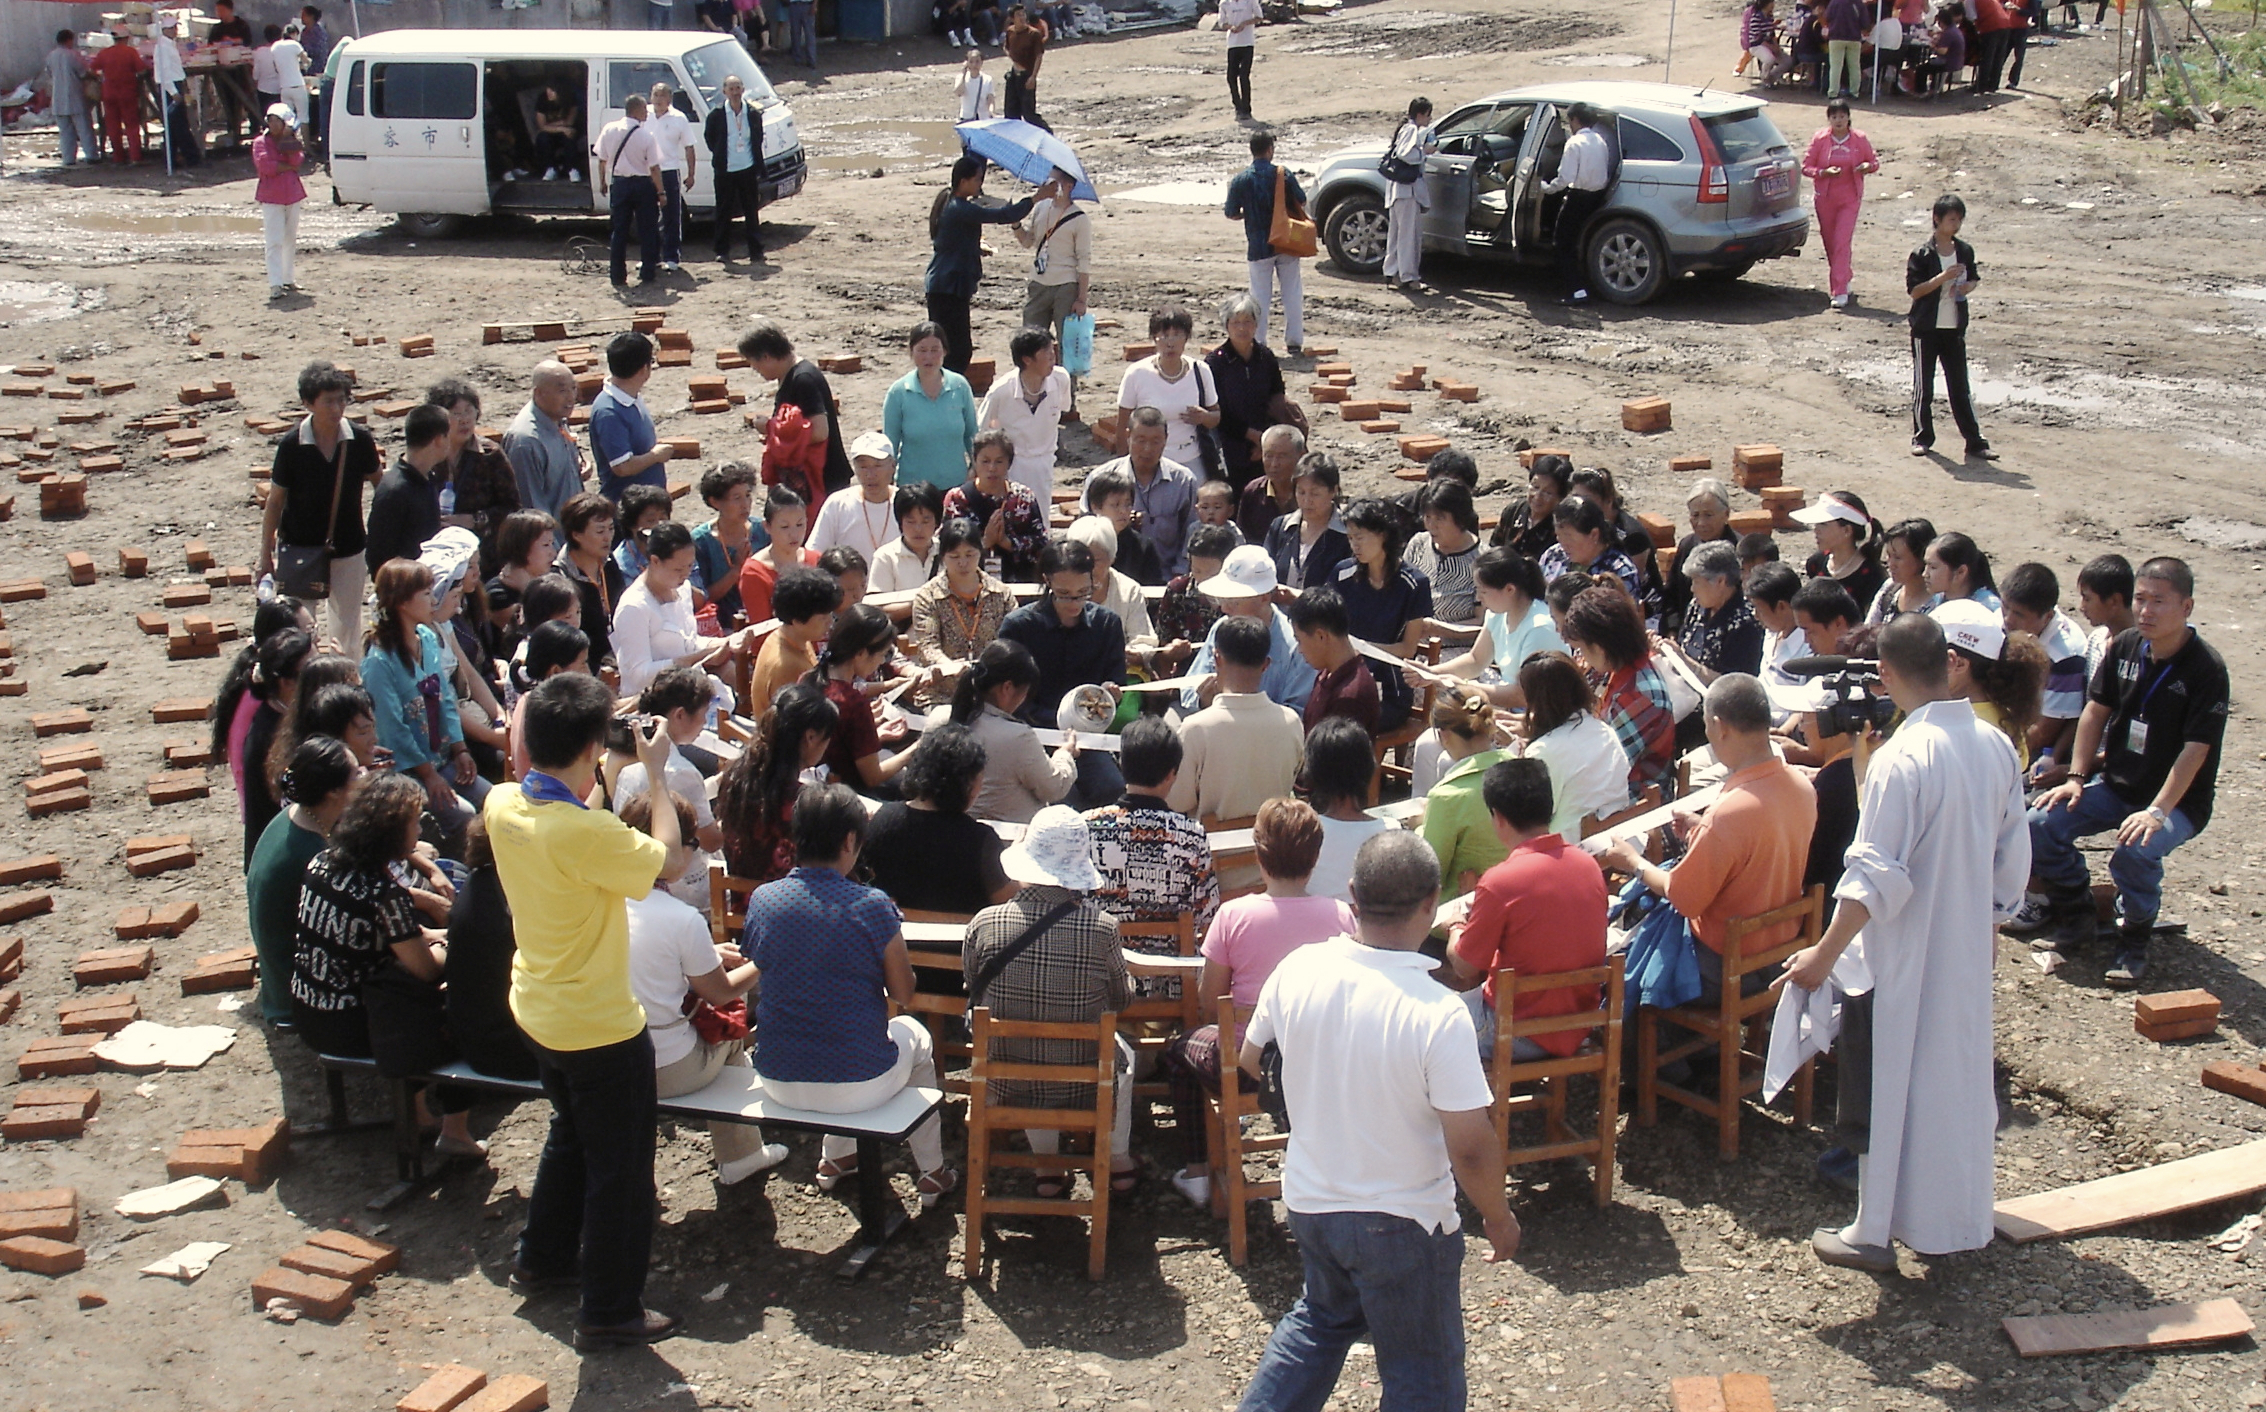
[[1355, 233], [1626, 262], [428, 225]]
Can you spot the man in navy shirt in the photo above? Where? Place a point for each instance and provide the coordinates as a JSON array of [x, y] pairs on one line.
[[405, 510], [1076, 642], [1251, 200], [2146, 765], [621, 430]]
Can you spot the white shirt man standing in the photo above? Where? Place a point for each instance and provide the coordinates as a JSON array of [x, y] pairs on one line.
[[1389, 1115], [1941, 854], [629, 176], [679, 167], [1585, 170], [1240, 18]]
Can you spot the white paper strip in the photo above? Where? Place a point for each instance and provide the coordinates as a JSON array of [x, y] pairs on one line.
[[1400, 812], [1174, 684], [1086, 740], [1696, 801]]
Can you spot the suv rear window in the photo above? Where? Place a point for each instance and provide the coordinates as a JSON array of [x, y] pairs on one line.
[[1640, 143], [1744, 137]]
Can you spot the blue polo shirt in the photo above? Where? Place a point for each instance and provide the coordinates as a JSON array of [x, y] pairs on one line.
[[822, 1011], [1288, 680], [620, 428]]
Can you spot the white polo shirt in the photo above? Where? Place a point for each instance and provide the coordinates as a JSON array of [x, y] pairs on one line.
[[673, 132], [1373, 1050]]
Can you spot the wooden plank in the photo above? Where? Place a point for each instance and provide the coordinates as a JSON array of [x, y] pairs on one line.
[[2135, 1196], [2170, 1326]]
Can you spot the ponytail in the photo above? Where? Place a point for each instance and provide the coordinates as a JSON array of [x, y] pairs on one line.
[[1001, 663], [857, 630]]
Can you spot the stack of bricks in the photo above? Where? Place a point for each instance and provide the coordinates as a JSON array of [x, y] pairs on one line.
[[1452, 391], [152, 854], [1757, 466], [417, 345], [1690, 465], [186, 595], [1645, 414], [97, 1014], [197, 635], [195, 393], [842, 363], [237, 969], [676, 348], [59, 1057], [710, 394], [250, 1155], [51, 1212], [1410, 379], [133, 563], [1528, 457], [1422, 449], [63, 496], [322, 1276], [1660, 527], [113, 965], [150, 923], [49, 1113], [1782, 501], [1135, 352], [2178, 1014], [60, 792], [457, 1388], [1109, 433], [729, 358], [982, 372]]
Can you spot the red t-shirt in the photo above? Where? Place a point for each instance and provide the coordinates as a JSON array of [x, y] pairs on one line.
[[1991, 16], [1349, 692], [757, 579], [855, 738], [1540, 910]]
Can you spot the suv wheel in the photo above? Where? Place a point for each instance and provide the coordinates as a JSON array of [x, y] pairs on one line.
[[1626, 262], [1355, 233], [428, 225]]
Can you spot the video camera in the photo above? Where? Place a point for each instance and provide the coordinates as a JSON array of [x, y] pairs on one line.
[[1854, 702]]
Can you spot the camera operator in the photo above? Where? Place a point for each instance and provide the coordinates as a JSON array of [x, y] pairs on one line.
[[1942, 850], [2146, 764]]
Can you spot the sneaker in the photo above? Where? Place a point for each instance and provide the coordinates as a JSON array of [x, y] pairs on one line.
[[1922, 448], [575, 175], [1840, 301], [763, 1159], [516, 174], [550, 173], [2036, 910], [2131, 964], [1198, 1189], [669, 267], [1981, 451]]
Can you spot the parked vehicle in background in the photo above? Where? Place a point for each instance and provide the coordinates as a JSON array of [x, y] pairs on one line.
[[438, 125], [1704, 184]]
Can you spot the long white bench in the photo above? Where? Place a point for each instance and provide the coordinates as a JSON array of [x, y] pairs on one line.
[[737, 1096]]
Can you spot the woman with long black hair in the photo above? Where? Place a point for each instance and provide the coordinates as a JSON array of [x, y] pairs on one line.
[[1850, 544], [262, 686], [755, 795]]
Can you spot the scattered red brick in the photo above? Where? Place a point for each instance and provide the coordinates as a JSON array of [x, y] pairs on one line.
[[39, 1255], [443, 1390], [318, 1295]]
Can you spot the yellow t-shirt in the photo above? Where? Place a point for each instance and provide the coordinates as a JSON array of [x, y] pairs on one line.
[[569, 874], [1990, 714]]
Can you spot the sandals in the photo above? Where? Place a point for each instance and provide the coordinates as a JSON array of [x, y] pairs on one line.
[[832, 1172], [934, 1186]]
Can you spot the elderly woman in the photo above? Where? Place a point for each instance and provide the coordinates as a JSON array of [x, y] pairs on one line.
[[1707, 509], [477, 485], [830, 954], [1386, 600], [1308, 541], [1119, 593], [1721, 634], [1608, 639], [1589, 771], [1071, 971], [1248, 938], [929, 414], [586, 558], [655, 624], [1528, 527], [1011, 518], [926, 851], [1251, 392]]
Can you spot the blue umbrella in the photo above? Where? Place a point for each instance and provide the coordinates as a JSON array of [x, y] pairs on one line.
[[1030, 153]]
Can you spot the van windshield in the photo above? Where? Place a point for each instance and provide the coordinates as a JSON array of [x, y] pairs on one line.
[[707, 68]]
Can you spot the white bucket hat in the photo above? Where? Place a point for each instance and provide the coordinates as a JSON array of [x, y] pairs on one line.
[[1247, 572], [1056, 851]]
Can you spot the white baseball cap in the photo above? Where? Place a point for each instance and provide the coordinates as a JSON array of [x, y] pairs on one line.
[[1969, 625], [1247, 572], [873, 446], [284, 111], [1831, 507]]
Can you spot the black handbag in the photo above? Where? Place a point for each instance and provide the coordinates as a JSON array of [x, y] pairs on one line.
[[1207, 438], [302, 571]]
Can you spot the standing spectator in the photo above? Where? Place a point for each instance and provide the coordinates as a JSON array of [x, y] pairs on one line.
[[734, 134], [230, 29], [316, 787], [957, 613], [1241, 749], [1846, 25], [1253, 399], [1155, 862], [121, 67], [1028, 409], [1849, 544], [315, 487], [1836, 164], [929, 415], [410, 676], [1251, 199], [267, 82], [1994, 33], [313, 37], [1240, 18], [1939, 276], [1014, 527], [622, 443], [1025, 42], [955, 266], [660, 14], [290, 60], [1585, 173], [1179, 387], [1407, 195], [547, 467], [67, 102], [1940, 854], [629, 165], [2146, 764], [277, 155], [1060, 236], [803, 386], [1069, 969], [569, 872], [479, 485], [405, 510], [802, 33], [680, 170], [1381, 1072], [978, 95]]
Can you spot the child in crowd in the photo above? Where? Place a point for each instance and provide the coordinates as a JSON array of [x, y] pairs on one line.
[[643, 507], [1215, 505]]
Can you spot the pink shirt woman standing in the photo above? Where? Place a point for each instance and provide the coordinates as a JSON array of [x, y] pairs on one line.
[[277, 155], [1838, 159]]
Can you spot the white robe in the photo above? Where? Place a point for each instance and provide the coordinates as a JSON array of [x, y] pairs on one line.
[[1942, 851]]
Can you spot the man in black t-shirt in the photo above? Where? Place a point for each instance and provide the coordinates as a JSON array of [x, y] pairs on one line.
[[772, 354], [2146, 765], [324, 458]]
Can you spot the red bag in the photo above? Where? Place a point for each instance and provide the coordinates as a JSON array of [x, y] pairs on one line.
[[717, 1024], [793, 457]]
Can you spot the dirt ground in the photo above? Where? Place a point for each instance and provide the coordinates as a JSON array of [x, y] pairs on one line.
[[2117, 342]]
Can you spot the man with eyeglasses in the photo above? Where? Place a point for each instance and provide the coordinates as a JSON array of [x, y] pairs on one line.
[[1076, 642]]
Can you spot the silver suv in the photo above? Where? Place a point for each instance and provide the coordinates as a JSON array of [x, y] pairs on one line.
[[1703, 183]]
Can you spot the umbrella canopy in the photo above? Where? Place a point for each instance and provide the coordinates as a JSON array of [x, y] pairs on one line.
[[1029, 153]]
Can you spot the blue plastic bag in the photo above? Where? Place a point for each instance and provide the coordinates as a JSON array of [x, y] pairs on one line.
[[1662, 960], [1078, 344]]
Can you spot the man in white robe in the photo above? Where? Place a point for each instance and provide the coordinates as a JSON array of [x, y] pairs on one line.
[[1942, 852]]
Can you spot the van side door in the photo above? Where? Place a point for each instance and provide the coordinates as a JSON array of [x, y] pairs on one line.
[[425, 151]]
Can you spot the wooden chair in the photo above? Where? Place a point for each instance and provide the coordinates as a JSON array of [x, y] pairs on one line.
[[986, 1117], [1647, 799], [1736, 1028], [727, 903], [1165, 1018], [940, 1013], [1232, 1186], [1600, 1054], [1399, 740]]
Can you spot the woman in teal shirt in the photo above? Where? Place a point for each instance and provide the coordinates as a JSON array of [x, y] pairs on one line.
[[930, 414], [409, 674]]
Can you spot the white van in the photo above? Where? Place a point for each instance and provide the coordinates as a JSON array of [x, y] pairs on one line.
[[442, 124]]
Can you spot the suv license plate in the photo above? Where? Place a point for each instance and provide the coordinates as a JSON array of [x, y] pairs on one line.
[[1779, 182]]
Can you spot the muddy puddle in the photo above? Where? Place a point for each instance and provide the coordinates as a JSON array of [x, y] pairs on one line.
[[33, 302], [857, 146], [1417, 34]]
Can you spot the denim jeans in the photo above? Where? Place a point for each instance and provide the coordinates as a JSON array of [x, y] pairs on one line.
[[1388, 1277], [802, 32], [2138, 872], [593, 1201], [1100, 781]]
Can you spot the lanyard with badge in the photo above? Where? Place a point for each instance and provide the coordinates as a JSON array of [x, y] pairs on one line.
[[2136, 729]]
